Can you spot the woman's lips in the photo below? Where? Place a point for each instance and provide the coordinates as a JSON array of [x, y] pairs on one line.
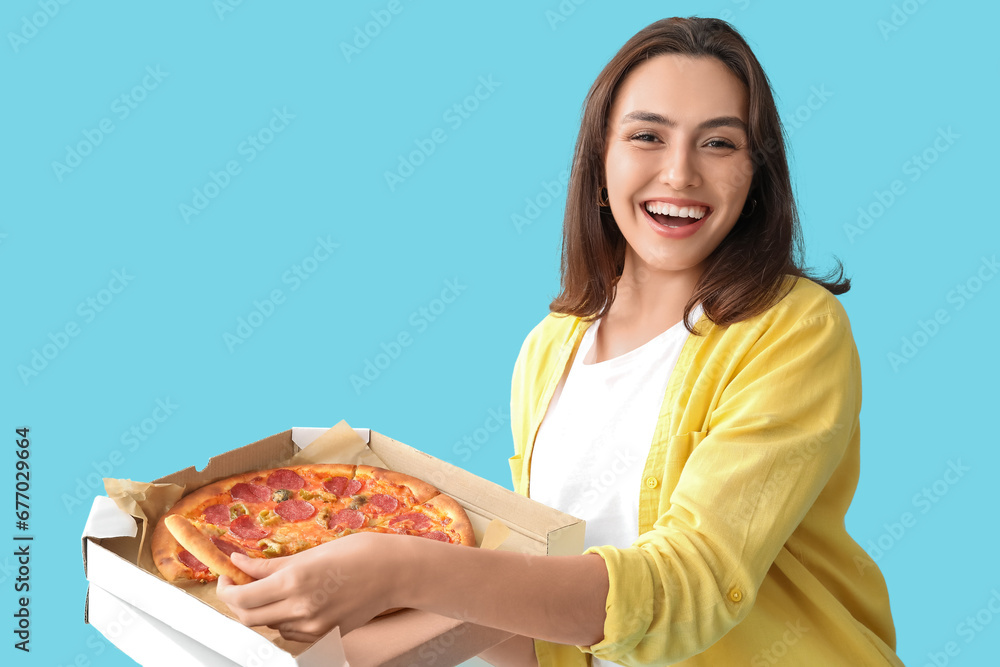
[[674, 232]]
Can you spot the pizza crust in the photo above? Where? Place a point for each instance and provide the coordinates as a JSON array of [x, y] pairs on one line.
[[192, 539], [420, 489], [165, 549], [459, 519]]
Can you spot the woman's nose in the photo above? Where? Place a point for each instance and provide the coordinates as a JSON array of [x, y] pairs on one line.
[[680, 168]]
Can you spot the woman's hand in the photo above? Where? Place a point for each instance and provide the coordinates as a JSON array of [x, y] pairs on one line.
[[345, 583]]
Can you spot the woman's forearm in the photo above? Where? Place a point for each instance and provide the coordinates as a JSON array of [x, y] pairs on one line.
[[518, 651], [555, 598]]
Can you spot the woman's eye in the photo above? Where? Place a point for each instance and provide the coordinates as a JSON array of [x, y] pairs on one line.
[[721, 143], [643, 136]]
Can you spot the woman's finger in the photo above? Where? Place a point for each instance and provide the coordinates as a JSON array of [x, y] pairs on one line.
[[258, 568], [295, 636], [256, 594], [276, 614]]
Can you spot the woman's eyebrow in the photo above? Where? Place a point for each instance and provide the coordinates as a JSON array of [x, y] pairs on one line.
[[652, 117]]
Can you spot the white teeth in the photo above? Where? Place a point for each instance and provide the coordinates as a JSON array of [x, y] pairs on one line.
[[663, 208]]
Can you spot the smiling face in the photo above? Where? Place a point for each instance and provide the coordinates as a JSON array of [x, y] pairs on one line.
[[677, 162]]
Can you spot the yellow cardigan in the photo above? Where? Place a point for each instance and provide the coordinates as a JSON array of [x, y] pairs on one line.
[[742, 556]]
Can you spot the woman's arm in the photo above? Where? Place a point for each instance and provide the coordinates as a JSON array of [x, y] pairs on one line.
[[556, 598], [348, 581], [517, 651]]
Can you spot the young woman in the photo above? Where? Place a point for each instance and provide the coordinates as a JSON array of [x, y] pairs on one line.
[[694, 395]]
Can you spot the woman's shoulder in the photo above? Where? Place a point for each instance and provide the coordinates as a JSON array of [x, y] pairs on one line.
[[804, 301], [555, 330], [807, 299], [547, 340]]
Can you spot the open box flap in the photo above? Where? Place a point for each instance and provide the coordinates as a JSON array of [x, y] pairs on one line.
[[106, 519]]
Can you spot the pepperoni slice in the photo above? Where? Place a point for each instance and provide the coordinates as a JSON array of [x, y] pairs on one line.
[[337, 486], [217, 515], [353, 519], [294, 510], [252, 493], [435, 535], [228, 547], [416, 519], [384, 503], [246, 528], [188, 559], [341, 486], [285, 479]]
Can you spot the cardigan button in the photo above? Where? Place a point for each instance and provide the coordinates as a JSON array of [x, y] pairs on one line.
[[652, 482], [735, 595]]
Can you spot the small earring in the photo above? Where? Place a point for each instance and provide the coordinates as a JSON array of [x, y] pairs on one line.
[[753, 207], [602, 198]]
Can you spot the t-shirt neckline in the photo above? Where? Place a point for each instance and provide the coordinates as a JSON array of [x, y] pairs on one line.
[[590, 336]]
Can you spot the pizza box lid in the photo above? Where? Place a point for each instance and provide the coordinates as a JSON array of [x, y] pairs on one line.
[[168, 619]]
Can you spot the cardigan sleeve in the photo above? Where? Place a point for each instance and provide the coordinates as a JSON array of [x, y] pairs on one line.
[[780, 428]]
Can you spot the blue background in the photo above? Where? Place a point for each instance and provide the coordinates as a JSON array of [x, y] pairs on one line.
[[893, 78]]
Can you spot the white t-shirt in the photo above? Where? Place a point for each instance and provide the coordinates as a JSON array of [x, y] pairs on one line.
[[592, 445]]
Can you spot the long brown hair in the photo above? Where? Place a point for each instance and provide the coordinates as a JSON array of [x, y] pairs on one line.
[[744, 275]]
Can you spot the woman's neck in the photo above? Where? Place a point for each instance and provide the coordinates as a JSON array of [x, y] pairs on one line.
[[649, 300], [646, 304]]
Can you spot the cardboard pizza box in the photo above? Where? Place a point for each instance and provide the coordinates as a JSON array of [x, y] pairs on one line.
[[150, 619]]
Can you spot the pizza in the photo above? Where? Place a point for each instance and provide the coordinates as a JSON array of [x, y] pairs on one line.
[[280, 512]]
